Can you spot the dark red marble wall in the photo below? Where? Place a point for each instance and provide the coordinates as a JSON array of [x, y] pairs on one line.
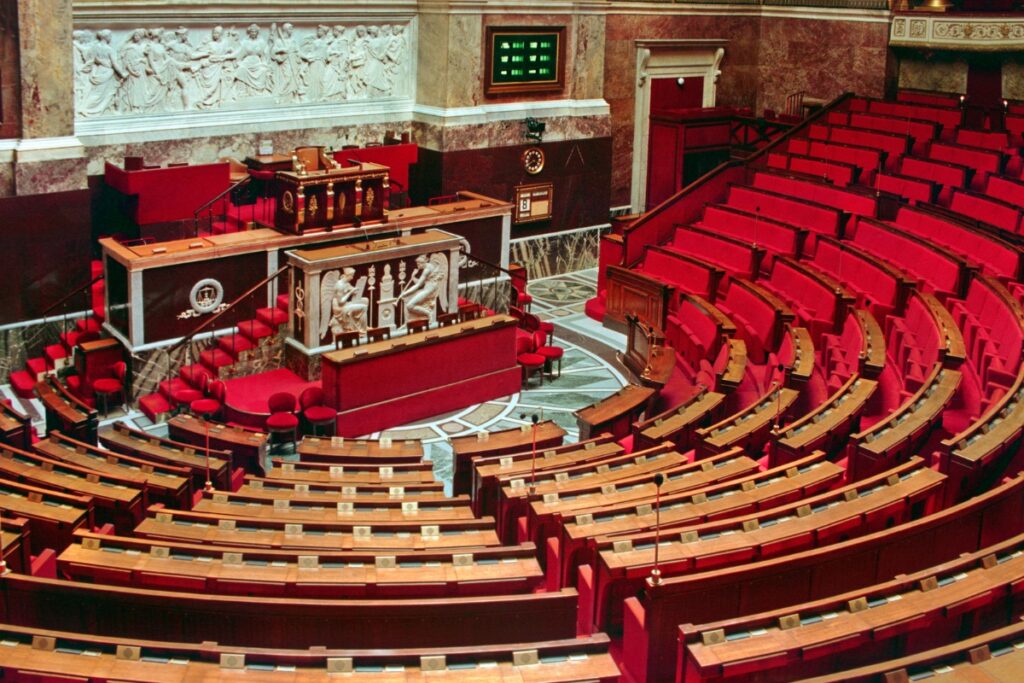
[[45, 249], [10, 124], [578, 169], [766, 59]]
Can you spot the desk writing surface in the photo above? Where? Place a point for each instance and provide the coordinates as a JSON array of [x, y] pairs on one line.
[[912, 604], [625, 400], [187, 456], [683, 416], [507, 440], [354, 450], [544, 463], [793, 525], [386, 346]]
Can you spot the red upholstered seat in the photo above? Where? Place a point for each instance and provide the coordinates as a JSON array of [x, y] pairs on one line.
[[283, 419], [106, 385], [185, 397], [549, 353], [528, 359], [205, 406], [316, 414], [106, 388]]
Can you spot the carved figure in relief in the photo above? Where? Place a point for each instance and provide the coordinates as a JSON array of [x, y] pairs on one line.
[[156, 70], [375, 75], [211, 78], [82, 43], [285, 83], [252, 75], [358, 59], [342, 304], [336, 71], [104, 76], [181, 88], [427, 285], [135, 90], [397, 48], [314, 54]]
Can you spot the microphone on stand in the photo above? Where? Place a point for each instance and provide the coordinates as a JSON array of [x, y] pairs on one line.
[[655, 578]]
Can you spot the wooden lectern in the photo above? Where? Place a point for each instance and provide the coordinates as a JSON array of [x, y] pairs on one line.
[[318, 193]]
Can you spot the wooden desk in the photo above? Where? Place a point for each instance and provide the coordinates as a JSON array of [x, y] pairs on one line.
[[488, 470], [95, 360], [352, 378], [366, 475], [466, 449], [16, 544], [53, 516], [343, 451], [677, 424], [951, 340], [751, 493], [123, 439], [735, 366], [290, 622], [15, 426], [624, 563], [248, 449], [709, 596], [225, 571], [162, 195], [66, 412], [894, 610], [489, 476], [167, 484], [901, 432], [748, 427], [872, 357], [614, 414], [584, 658], [115, 499], [198, 527], [310, 507], [827, 426], [802, 364]]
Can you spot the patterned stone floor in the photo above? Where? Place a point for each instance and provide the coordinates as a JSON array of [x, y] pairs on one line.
[[591, 371]]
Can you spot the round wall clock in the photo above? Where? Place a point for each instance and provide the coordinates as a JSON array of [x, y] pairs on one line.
[[533, 160]]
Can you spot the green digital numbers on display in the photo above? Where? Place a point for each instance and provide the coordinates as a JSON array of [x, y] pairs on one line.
[[512, 52]]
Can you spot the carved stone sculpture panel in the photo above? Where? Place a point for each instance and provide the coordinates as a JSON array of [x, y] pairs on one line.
[[167, 70]]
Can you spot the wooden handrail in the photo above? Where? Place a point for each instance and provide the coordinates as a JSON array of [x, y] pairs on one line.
[[72, 293]]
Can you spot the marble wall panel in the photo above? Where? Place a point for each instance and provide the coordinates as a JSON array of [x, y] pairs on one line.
[[44, 28], [18, 344], [43, 177], [432, 72], [465, 61], [566, 252], [587, 76], [10, 90], [940, 71], [1013, 78], [6, 180], [734, 87], [822, 58]]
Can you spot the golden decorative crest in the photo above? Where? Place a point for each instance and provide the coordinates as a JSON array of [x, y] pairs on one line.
[[341, 201], [288, 202], [368, 197], [312, 205]]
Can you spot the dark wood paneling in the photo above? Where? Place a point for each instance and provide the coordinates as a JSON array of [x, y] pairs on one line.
[[579, 169], [44, 252]]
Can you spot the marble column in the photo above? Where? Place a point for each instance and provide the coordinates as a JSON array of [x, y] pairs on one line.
[[49, 157]]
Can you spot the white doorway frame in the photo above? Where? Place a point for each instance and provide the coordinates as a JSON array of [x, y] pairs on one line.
[[667, 58]]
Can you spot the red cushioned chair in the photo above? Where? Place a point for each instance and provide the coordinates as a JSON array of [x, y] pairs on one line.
[[528, 359], [314, 412], [521, 299], [106, 388], [550, 353], [283, 419], [531, 323], [213, 403]]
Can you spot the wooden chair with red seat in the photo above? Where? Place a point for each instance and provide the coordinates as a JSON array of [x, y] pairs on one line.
[[213, 403], [283, 419], [315, 412], [551, 353], [521, 299], [528, 359], [106, 388], [532, 323]]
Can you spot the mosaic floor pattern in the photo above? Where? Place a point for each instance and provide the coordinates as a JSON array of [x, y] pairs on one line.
[[590, 372]]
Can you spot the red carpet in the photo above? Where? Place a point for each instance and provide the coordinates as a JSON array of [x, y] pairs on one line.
[[246, 401]]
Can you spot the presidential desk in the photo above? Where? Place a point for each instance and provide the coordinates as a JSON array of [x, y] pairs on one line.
[[396, 381], [161, 291]]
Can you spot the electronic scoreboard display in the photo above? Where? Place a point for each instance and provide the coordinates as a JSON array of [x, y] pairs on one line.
[[525, 59]]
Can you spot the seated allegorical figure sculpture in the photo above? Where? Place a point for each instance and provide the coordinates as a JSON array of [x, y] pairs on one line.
[[342, 304], [427, 284]]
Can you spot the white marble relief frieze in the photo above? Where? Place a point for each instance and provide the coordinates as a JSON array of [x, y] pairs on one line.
[[166, 70]]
